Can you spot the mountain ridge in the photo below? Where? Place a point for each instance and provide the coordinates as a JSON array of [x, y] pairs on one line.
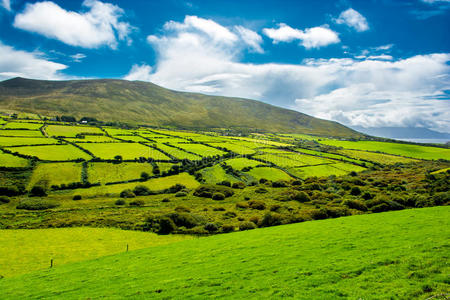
[[145, 103]]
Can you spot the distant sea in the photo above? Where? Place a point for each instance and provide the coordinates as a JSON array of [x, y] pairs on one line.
[[429, 141]]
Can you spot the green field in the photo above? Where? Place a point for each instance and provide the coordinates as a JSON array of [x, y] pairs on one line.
[[19, 133], [131, 138], [48, 174], [328, 155], [22, 141], [52, 152], [236, 148], [200, 149], [377, 256], [70, 131], [126, 150], [177, 153], [10, 161], [93, 139], [268, 173], [33, 249], [242, 162], [118, 131], [325, 170], [414, 151], [108, 172], [23, 125], [217, 174], [376, 157], [153, 184]]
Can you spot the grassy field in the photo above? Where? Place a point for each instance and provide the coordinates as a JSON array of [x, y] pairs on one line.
[[376, 256], [11, 161], [414, 151], [23, 125], [177, 153], [126, 150], [131, 138], [328, 155], [217, 174], [33, 249], [19, 133], [236, 148], [19, 141], [325, 170], [52, 152], [242, 162], [92, 139], [376, 157], [70, 131], [108, 172], [48, 174], [200, 149], [268, 173]]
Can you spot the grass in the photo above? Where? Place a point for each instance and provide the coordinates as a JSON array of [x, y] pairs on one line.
[[328, 155], [119, 131], [200, 149], [22, 125], [68, 245], [177, 153], [441, 171], [19, 141], [236, 148], [242, 162], [217, 174], [260, 142], [376, 256], [153, 184], [48, 174], [24, 133], [52, 152], [414, 151], [376, 157], [11, 161], [319, 171], [92, 139], [268, 173], [131, 138], [108, 172], [70, 131], [126, 150]]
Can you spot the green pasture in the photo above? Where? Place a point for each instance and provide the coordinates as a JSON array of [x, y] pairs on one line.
[[268, 173], [109, 172], [48, 174], [217, 174], [22, 141], [177, 153], [10, 161], [131, 138], [242, 162], [126, 150], [22, 125], [376, 157], [93, 139], [200, 149], [19, 133], [52, 152], [236, 148], [70, 131]]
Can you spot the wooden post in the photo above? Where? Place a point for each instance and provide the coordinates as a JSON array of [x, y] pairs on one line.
[[127, 247], [51, 263]]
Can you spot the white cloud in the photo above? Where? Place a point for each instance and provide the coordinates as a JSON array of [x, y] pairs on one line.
[[435, 1], [6, 4], [251, 38], [17, 63], [314, 37], [354, 19], [98, 26], [78, 57], [380, 57], [379, 91]]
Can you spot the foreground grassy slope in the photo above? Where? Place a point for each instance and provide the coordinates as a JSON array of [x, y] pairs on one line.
[[398, 255], [146, 103], [24, 251]]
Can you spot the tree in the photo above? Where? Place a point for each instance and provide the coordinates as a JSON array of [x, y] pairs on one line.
[[118, 158], [38, 191], [145, 176]]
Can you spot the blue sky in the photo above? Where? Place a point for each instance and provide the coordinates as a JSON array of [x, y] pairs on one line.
[[370, 63]]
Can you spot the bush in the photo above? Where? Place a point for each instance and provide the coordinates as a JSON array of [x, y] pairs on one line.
[[254, 219], [9, 191], [181, 194], [38, 191], [218, 196], [238, 185], [263, 180], [36, 204], [275, 207], [227, 228], [207, 190], [271, 219], [218, 209], [261, 190], [336, 212], [137, 203], [318, 214], [355, 191], [247, 226], [300, 196], [182, 208], [183, 219], [76, 197], [242, 205], [145, 175], [367, 196], [279, 183], [229, 215], [224, 183], [140, 190], [120, 202], [166, 225], [4, 199], [211, 227], [355, 204], [165, 200], [296, 182], [380, 207], [127, 194], [256, 204]]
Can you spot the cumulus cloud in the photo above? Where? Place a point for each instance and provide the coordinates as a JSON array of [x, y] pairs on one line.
[[376, 91], [97, 26], [251, 38], [354, 19], [314, 37], [17, 63], [6, 4]]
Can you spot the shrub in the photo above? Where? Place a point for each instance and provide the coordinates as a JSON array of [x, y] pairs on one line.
[[36, 204], [367, 196], [355, 191], [254, 219], [247, 226], [271, 219], [127, 194], [229, 215], [224, 183], [207, 191], [336, 212], [76, 197], [181, 194], [227, 228], [380, 207], [184, 219], [218, 196], [238, 185], [9, 191], [246, 198], [120, 202], [296, 182], [263, 180], [218, 209], [242, 205], [38, 191], [211, 227], [299, 196], [182, 208], [355, 204], [145, 175], [137, 203], [279, 183], [256, 204], [140, 190], [166, 225], [260, 190], [4, 199], [175, 188], [275, 207], [165, 200], [318, 214]]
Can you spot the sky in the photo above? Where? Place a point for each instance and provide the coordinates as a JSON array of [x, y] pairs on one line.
[[370, 63]]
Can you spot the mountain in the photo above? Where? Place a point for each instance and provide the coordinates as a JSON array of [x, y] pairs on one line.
[[140, 102], [403, 132]]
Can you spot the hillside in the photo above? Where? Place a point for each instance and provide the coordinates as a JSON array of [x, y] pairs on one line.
[[146, 103], [376, 256]]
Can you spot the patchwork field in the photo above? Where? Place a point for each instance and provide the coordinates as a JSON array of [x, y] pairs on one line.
[[48, 174], [242, 162], [19, 133], [200, 149], [93, 139], [71, 131], [268, 173], [23, 125], [177, 153], [217, 174], [52, 152], [236, 148], [11, 161], [376, 157], [24, 141], [108, 172], [126, 150]]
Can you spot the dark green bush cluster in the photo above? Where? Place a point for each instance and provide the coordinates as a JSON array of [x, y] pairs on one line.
[[10, 191], [37, 191], [127, 194], [4, 200], [208, 190], [178, 222], [36, 204]]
